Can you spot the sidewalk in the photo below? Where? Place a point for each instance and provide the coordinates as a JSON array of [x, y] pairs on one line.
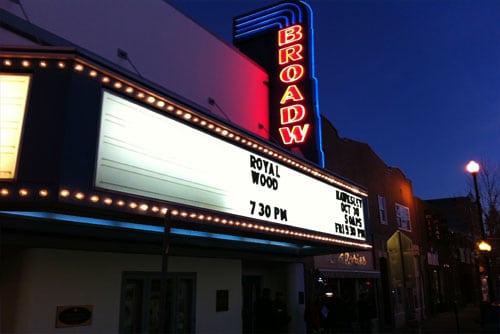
[[466, 320]]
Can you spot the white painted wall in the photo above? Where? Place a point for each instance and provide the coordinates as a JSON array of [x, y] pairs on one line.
[[39, 280], [165, 46]]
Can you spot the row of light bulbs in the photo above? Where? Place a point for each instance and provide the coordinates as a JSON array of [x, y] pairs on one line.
[[160, 211], [165, 105]]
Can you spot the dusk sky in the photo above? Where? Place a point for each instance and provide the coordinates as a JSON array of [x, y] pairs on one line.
[[417, 80]]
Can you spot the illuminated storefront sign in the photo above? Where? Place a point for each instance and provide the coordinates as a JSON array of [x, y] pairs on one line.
[[13, 97], [349, 259], [352, 260], [147, 154], [285, 31]]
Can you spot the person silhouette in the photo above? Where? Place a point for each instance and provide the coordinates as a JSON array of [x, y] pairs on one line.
[[280, 314], [263, 312]]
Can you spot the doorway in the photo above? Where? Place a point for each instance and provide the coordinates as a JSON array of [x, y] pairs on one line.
[[251, 286], [140, 302]]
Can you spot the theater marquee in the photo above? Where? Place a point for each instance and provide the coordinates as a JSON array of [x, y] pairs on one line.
[[144, 153]]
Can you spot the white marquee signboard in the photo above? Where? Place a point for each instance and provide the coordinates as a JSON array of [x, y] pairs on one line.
[[147, 154]]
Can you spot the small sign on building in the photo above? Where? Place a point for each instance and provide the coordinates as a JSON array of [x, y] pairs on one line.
[[74, 315]]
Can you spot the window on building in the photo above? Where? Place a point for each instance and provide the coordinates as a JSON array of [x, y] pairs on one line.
[[140, 302], [433, 229], [437, 232], [403, 217], [382, 210]]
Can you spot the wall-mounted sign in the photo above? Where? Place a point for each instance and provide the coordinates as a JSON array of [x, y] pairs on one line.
[[73, 316], [280, 38], [350, 259], [144, 153], [355, 260], [294, 126]]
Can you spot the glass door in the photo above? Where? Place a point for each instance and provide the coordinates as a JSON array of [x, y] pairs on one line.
[[140, 302]]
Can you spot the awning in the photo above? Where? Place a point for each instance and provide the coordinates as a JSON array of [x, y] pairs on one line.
[[346, 273]]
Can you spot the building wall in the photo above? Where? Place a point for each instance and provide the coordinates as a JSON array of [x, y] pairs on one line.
[[450, 230], [36, 281], [358, 162], [10, 38], [193, 64]]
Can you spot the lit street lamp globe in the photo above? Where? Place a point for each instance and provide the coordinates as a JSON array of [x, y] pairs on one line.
[[484, 246], [472, 167]]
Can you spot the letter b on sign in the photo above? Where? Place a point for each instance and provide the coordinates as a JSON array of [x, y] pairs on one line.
[[290, 35]]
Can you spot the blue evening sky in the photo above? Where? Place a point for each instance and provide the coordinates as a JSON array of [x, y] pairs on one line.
[[417, 80]]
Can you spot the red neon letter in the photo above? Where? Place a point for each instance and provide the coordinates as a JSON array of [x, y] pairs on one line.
[[296, 135], [291, 53], [290, 35], [292, 73], [292, 93], [292, 114]]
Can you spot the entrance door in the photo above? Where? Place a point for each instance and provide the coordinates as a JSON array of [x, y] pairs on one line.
[[140, 302], [251, 288]]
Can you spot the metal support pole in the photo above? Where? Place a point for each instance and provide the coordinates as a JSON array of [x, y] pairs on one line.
[[164, 311], [483, 236], [479, 207]]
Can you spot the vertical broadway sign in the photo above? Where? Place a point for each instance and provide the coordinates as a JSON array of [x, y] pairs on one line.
[[280, 39], [294, 125]]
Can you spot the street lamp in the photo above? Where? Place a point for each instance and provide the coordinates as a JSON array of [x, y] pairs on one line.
[[484, 246], [473, 168]]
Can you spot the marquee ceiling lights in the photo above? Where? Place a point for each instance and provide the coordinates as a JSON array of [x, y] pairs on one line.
[[180, 214]]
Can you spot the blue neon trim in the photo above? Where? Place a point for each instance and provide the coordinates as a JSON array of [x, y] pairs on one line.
[[264, 18], [260, 29], [312, 64], [144, 227], [257, 22], [85, 220], [283, 7]]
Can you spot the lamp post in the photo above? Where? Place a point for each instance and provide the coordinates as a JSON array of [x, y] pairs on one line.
[[473, 168]]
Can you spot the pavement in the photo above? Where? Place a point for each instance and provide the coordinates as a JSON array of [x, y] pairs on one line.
[[466, 319]]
